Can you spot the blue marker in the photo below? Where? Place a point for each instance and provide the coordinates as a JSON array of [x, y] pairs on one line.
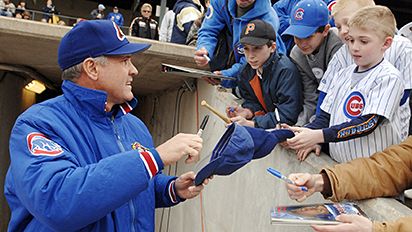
[[284, 178]]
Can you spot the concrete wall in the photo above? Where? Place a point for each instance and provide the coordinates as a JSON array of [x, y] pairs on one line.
[[242, 201], [13, 100]]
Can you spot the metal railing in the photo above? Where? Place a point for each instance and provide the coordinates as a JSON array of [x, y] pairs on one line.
[[36, 15]]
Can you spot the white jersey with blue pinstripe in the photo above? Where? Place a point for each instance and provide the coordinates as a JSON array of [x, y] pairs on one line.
[[376, 91]]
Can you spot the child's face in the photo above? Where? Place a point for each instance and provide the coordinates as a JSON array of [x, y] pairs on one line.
[[366, 47], [309, 45], [341, 20], [256, 56]]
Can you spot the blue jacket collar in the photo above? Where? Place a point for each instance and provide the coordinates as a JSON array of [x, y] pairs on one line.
[[93, 102]]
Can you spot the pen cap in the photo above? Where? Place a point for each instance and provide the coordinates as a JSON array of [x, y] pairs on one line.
[[264, 141]]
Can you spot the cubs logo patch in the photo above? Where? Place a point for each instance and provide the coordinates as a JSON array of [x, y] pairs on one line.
[[119, 32], [299, 14], [139, 147], [38, 144], [209, 12], [354, 105]]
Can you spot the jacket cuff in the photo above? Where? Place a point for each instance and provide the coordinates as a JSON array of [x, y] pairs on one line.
[[327, 190], [174, 198], [152, 162]]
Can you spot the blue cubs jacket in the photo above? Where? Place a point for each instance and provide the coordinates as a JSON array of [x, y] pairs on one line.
[[75, 167], [222, 13]]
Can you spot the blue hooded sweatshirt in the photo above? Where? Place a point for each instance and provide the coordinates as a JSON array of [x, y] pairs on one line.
[[222, 13]]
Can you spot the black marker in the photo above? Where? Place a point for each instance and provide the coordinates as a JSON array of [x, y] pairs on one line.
[[203, 125]]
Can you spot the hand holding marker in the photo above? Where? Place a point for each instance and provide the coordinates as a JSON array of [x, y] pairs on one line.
[[284, 178]]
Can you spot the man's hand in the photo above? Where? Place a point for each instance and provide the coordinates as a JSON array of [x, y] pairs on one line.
[[351, 223], [305, 138], [180, 145], [185, 186], [200, 58], [314, 183]]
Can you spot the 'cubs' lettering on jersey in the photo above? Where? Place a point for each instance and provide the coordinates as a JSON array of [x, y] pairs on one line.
[[39, 144], [354, 105], [358, 129]]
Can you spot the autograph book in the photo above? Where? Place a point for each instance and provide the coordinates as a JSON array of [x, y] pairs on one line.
[[192, 72], [321, 214]]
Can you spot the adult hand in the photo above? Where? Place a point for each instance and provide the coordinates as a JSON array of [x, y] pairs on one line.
[[351, 223], [242, 121], [305, 138], [180, 145], [200, 58], [314, 183], [303, 153], [185, 188]]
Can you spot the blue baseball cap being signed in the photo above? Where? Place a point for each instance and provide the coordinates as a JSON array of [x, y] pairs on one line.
[[238, 146], [93, 38], [306, 17]]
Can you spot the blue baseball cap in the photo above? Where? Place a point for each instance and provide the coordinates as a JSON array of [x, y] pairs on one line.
[[93, 38], [238, 146], [306, 17]]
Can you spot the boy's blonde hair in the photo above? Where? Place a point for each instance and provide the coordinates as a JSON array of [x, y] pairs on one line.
[[342, 4], [376, 18]]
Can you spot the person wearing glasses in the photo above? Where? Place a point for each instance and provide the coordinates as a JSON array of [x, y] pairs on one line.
[[144, 26]]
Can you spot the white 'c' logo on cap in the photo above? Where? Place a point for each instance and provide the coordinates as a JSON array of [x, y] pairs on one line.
[[119, 32]]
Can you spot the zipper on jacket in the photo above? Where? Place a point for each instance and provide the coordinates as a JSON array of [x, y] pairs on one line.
[[121, 147]]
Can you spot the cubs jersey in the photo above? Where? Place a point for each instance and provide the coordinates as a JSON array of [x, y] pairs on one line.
[[353, 94]]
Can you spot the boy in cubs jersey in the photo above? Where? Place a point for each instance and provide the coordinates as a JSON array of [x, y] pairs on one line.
[[360, 114], [399, 54]]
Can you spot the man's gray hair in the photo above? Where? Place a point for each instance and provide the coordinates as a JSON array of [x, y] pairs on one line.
[[74, 72]]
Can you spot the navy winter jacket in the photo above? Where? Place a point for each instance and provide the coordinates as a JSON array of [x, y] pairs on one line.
[[281, 87]]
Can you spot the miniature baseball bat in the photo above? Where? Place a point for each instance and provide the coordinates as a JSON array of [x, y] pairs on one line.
[[223, 117]]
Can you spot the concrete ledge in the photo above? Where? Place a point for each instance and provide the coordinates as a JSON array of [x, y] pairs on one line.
[[34, 45]]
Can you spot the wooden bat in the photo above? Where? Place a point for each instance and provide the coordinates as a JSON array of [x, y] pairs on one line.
[[223, 117]]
